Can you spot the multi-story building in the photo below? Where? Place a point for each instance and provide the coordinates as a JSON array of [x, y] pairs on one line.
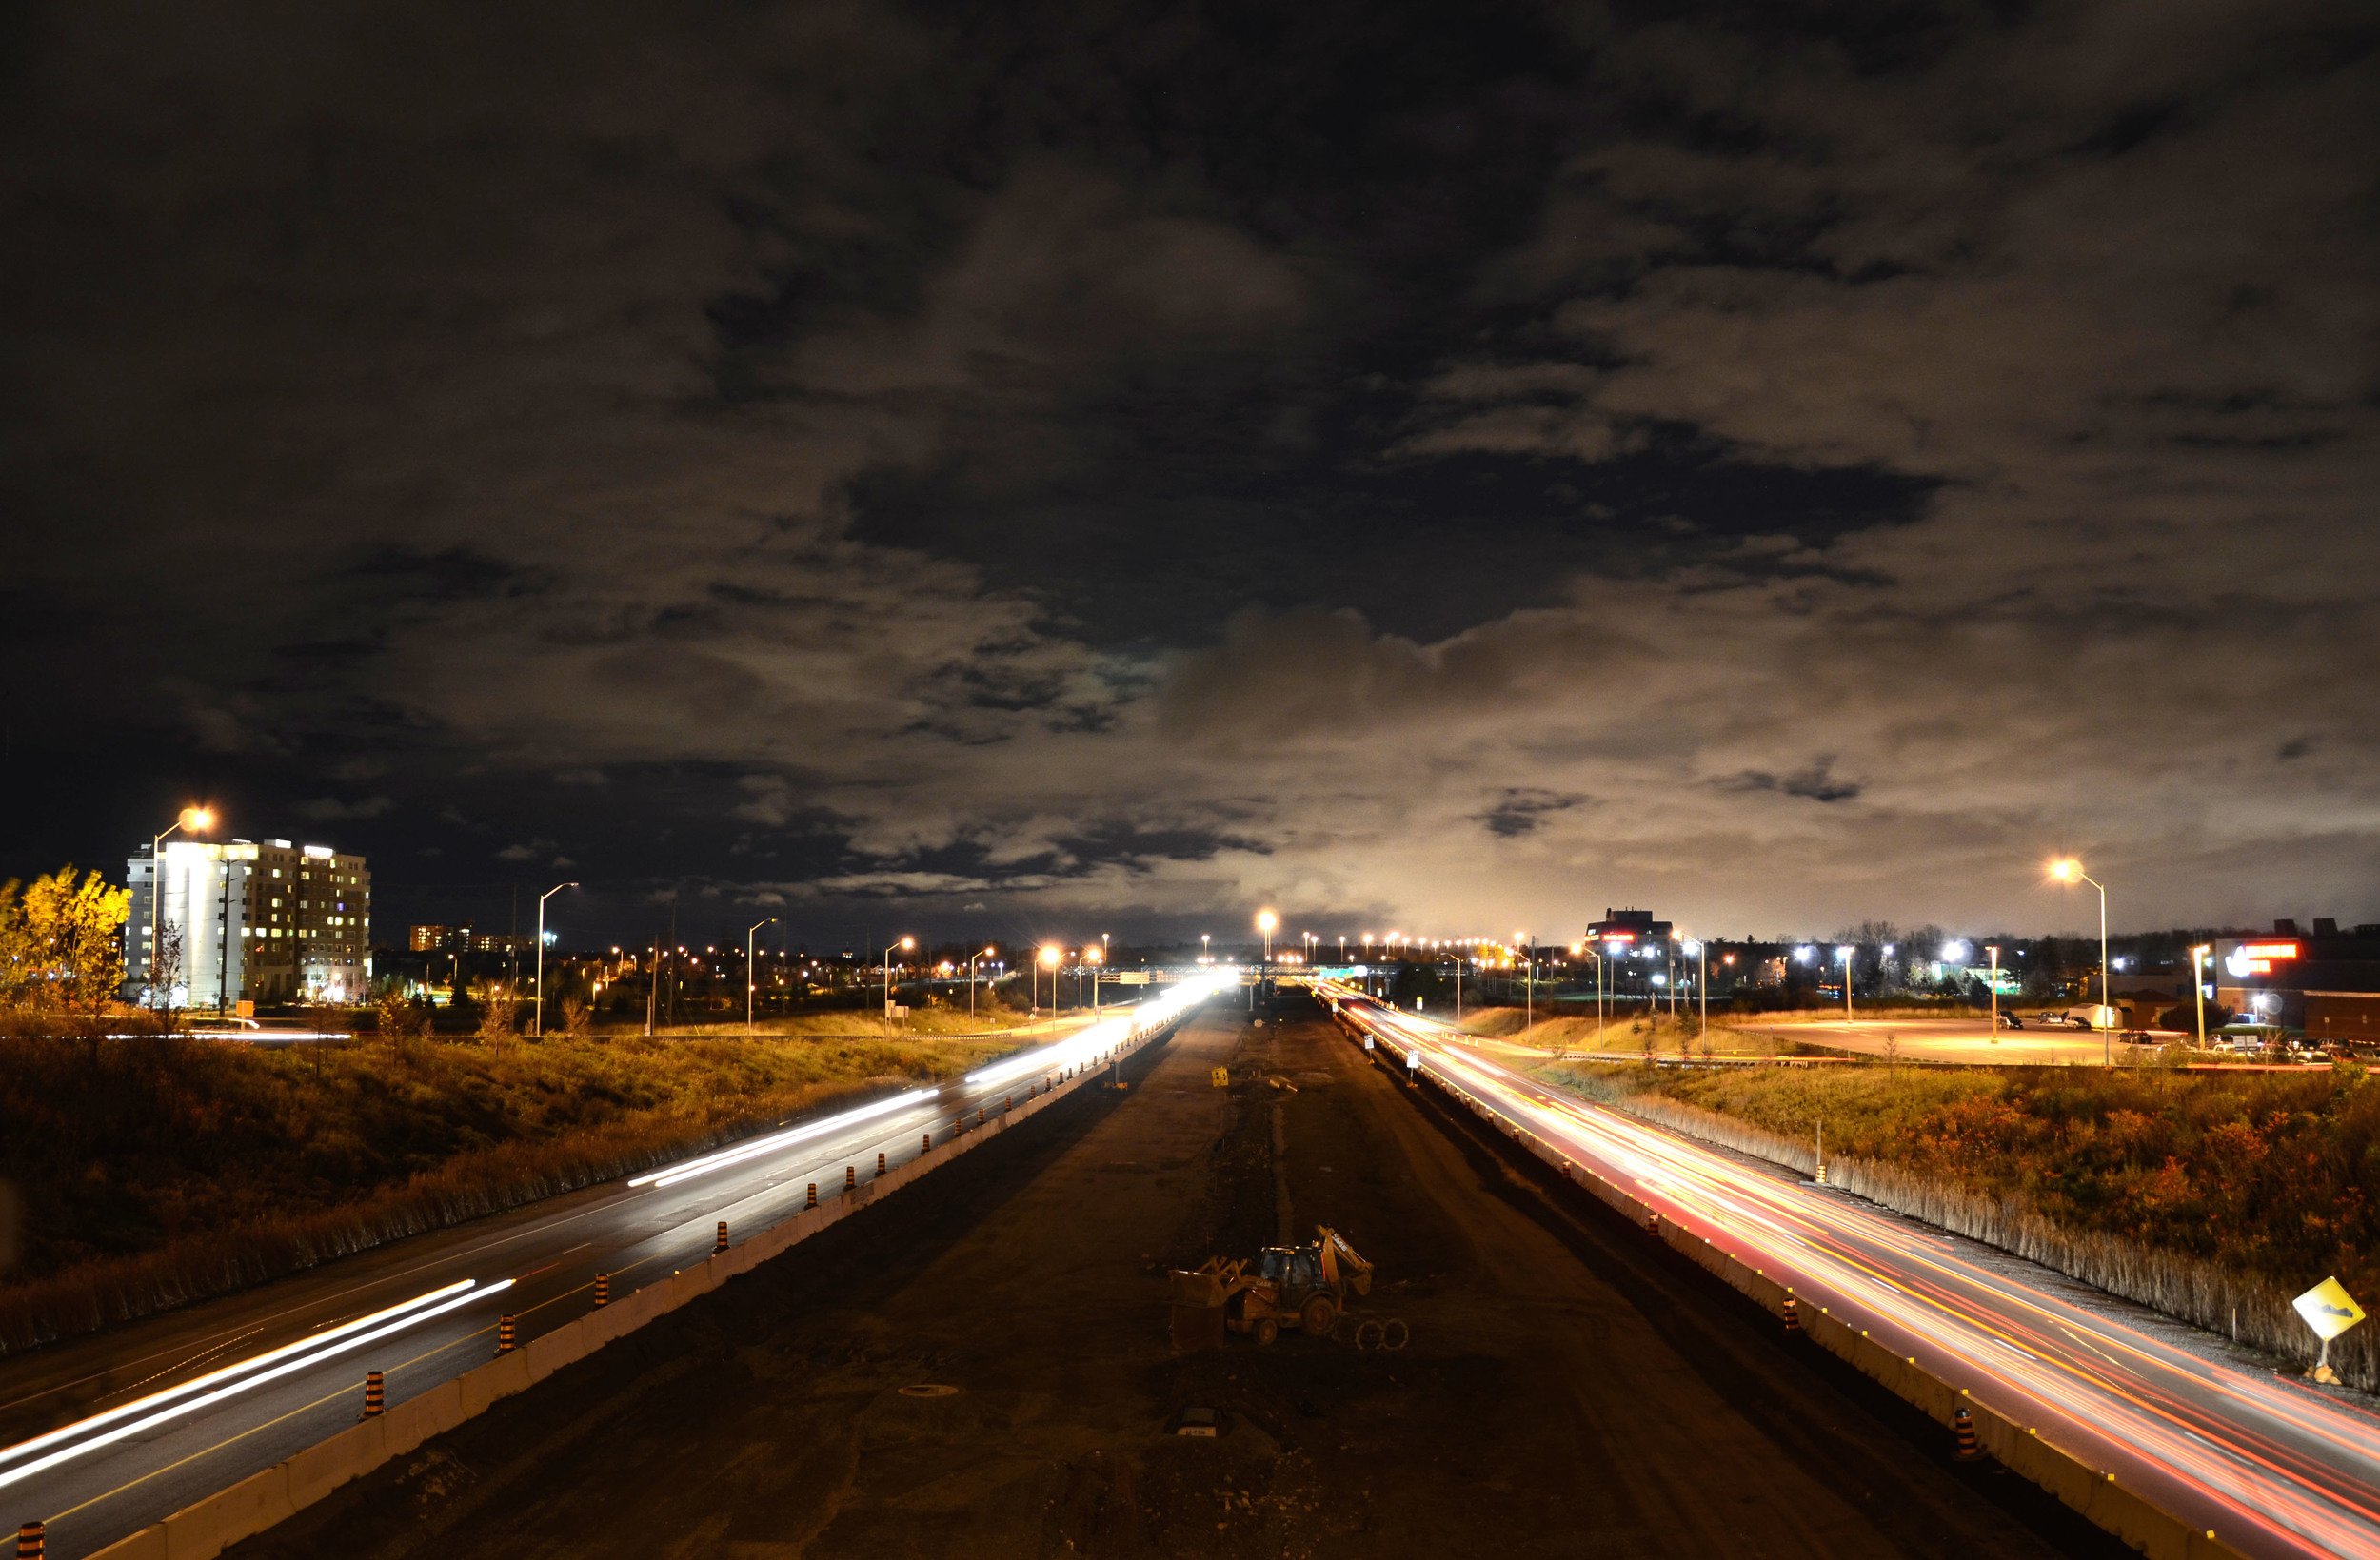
[[248, 921], [436, 940]]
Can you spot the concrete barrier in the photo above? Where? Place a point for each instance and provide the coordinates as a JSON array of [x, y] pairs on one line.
[[2093, 1492], [206, 1528]]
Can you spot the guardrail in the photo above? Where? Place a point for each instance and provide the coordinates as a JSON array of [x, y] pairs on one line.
[[2089, 1492], [208, 1527]]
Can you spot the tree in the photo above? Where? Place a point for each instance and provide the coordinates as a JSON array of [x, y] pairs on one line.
[[498, 1019], [62, 942]]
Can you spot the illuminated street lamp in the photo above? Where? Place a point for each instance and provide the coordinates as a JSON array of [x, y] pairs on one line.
[[1049, 959], [1266, 921], [750, 983], [1529, 984], [197, 821], [905, 942], [1206, 952], [2068, 870], [1844, 954], [971, 958], [2198, 958], [537, 1020]]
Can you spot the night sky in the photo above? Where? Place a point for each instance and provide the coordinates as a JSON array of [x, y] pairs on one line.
[[1021, 470]]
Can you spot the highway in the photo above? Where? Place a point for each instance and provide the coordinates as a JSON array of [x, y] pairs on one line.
[[2270, 1467], [113, 1431]]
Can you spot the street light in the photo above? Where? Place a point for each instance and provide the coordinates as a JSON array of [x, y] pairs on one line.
[[197, 821], [2067, 870], [1844, 954], [537, 1020], [1702, 986], [2198, 958], [1206, 954], [971, 958], [905, 942], [1529, 984], [1049, 958], [1994, 948], [1266, 921], [748, 982]]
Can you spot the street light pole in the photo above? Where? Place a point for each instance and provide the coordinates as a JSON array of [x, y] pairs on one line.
[[1845, 955], [1994, 948], [198, 821], [2067, 870], [750, 981], [537, 1020], [2198, 987], [1049, 956], [905, 942], [1529, 983], [1266, 921]]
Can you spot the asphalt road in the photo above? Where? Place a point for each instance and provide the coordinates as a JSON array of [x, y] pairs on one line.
[[981, 1368], [550, 1252], [2272, 1467]]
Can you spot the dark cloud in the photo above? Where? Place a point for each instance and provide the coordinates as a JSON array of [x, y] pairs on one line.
[[1083, 463]]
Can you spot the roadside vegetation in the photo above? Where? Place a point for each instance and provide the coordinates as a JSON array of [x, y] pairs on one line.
[[158, 1170], [2214, 1196]]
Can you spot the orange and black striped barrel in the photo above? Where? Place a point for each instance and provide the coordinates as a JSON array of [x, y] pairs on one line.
[[603, 1289], [28, 1540], [850, 1177], [926, 1142], [723, 1238], [375, 1399], [1964, 1423], [978, 1117], [1793, 1315], [1007, 1103], [507, 1338], [813, 1203], [879, 1161]]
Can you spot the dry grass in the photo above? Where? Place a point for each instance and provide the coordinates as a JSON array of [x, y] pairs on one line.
[[161, 1171], [2251, 1197]]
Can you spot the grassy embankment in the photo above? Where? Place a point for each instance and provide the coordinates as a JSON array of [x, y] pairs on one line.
[[1628, 1033], [156, 1172], [2202, 1194]]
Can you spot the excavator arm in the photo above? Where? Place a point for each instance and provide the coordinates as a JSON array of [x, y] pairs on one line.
[[1340, 1264]]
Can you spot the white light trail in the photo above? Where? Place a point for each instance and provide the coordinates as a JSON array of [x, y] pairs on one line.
[[315, 1354], [22, 1448], [776, 1140], [1100, 1036]]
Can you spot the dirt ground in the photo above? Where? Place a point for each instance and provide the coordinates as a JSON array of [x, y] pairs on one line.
[[1570, 1387]]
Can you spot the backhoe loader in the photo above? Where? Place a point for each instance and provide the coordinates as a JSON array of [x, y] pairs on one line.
[[1301, 1287]]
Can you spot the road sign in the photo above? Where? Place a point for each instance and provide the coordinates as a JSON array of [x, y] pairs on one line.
[[2328, 1308], [1367, 1042], [1222, 1078], [1413, 1061]]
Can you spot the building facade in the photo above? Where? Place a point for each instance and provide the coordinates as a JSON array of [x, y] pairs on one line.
[[248, 922]]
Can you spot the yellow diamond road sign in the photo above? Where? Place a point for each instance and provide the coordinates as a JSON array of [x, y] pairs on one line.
[[2328, 1308]]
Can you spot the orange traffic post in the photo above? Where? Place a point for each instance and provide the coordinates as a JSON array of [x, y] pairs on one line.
[[926, 1142], [375, 1399], [1793, 1315], [879, 1161], [507, 1338], [978, 1116], [28, 1540], [603, 1289], [1653, 1224], [850, 1177], [723, 1238], [1964, 1423], [813, 1203], [1007, 1103]]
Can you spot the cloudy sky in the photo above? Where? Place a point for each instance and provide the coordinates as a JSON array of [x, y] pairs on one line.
[[1074, 466]]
